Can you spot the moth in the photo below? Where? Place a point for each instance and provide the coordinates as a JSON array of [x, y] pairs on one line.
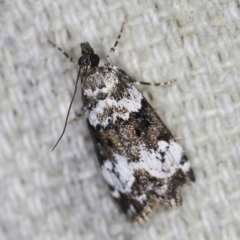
[[140, 160]]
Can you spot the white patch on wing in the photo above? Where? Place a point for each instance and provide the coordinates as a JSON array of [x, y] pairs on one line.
[[120, 173], [150, 160], [90, 93], [121, 108]]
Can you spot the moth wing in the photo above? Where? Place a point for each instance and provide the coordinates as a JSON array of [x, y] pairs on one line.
[[140, 160]]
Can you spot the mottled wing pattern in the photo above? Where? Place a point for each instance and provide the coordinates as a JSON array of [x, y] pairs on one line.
[[139, 158]]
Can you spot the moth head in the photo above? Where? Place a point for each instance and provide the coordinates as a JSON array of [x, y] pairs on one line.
[[88, 57]]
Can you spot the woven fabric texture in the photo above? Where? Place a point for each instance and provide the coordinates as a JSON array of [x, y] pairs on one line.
[[61, 194]]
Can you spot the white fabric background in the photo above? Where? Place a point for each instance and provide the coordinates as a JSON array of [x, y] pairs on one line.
[[61, 194]]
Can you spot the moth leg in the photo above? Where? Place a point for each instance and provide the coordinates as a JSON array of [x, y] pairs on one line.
[[154, 84], [178, 138], [60, 49], [77, 117], [116, 43]]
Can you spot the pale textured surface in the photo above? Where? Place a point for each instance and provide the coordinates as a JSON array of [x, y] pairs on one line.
[[61, 194]]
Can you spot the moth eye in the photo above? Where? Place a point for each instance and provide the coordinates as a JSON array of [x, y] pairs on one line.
[[138, 132], [80, 61], [94, 59]]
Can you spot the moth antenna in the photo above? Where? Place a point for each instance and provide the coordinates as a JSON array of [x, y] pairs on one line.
[[154, 84], [117, 41], [69, 108], [62, 51]]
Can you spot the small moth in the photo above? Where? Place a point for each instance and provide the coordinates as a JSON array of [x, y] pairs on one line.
[[140, 160]]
